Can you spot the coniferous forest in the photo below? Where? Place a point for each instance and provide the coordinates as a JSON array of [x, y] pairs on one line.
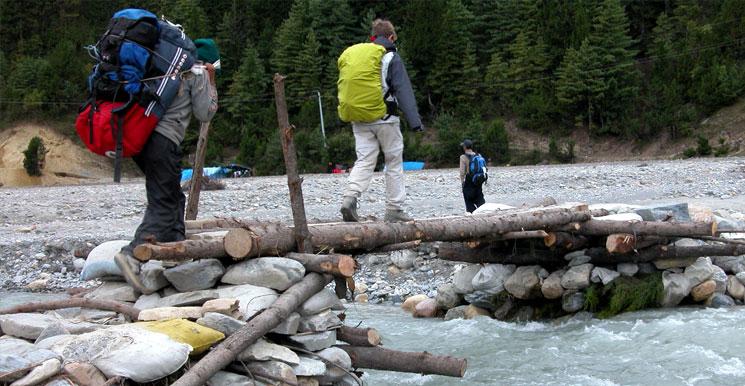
[[629, 68]]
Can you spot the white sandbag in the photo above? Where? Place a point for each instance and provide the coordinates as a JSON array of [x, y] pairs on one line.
[[491, 207], [632, 217], [614, 208], [100, 261], [125, 350]]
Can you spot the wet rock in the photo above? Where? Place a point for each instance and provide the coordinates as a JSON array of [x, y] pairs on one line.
[[702, 291], [309, 367], [526, 282], [720, 278], [463, 279], [551, 287], [603, 275], [39, 374], [486, 300], [252, 299], [315, 342], [195, 275], [224, 378], [458, 312], [676, 286], [572, 301], [84, 374], [503, 312], [524, 314], [326, 320], [411, 302], [152, 275], [448, 297], [220, 322], [627, 269], [289, 326], [472, 311], [196, 298], [336, 356], [577, 277], [491, 277], [700, 271], [403, 259], [718, 300], [110, 290], [426, 309], [735, 288], [263, 350], [278, 273], [323, 300]]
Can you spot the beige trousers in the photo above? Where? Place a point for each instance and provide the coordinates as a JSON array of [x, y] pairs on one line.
[[369, 139]]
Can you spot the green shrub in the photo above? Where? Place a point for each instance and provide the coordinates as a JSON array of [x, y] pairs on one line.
[[341, 147], [33, 157], [553, 149], [495, 143], [723, 148], [689, 152], [703, 147]]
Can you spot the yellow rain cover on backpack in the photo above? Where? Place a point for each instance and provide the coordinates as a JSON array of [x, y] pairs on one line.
[[360, 86]]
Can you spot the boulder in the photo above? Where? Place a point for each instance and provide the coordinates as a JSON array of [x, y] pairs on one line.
[[603, 275], [458, 312], [40, 373], [720, 277], [673, 262], [18, 356], [163, 313], [309, 367], [52, 330], [733, 264], [676, 286], [448, 297], [275, 370], [491, 277], [338, 357], [627, 269], [526, 282], [572, 301], [152, 275], [263, 350], [700, 271], [360, 288], [196, 275], [326, 320], [196, 298], [84, 374], [148, 301], [486, 300], [571, 255], [578, 277], [361, 298], [252, 299], [112, 290], [223, 306], [735, 288], [220, 322], [472, 311], [551, 287], [403, 259], [523, 314], [289, 326], [426, 309], [278, 273], [224, 378], [323, 300], [503, 312], [741, 277], [463, 279], [702, 291], [647, 268], [31, 325], [718, 300], [676, 212], [410, 303], [315, 342], [579, 260]]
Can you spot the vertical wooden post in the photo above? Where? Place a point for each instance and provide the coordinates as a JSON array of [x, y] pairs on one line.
[[192, 206], [294, 182]]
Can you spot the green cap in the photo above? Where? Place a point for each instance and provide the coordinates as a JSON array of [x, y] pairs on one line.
[[207, 50]]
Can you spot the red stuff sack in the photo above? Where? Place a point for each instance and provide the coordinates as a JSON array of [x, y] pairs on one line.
[[98, 129]]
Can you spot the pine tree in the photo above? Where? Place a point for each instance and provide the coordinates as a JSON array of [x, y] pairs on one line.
[[309, 68], [496, 77], [189, 14], [528, 67]]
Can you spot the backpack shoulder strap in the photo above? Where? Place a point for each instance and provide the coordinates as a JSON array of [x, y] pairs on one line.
[[385, 62]]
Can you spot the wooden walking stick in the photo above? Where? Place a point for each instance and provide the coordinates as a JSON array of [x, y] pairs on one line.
[[192, 206]]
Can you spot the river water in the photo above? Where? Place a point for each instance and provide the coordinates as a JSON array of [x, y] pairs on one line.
[[684, 346]]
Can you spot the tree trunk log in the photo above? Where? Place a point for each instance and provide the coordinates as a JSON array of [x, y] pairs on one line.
[[379, 358], [334, 264], [645, 228], [180, 250], [565, 240], [192, 205], [487, 255], [602, 256], [228, 350], [364, 337], [275, 240], [397, 247], [620, 243], [108, 305]]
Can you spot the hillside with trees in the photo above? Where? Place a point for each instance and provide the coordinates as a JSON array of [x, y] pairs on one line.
[[609, 68]]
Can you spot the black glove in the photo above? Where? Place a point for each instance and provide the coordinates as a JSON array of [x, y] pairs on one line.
[[418, 129]]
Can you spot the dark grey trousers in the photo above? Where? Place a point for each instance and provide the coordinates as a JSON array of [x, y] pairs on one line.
[[164, 216], [473, 196]]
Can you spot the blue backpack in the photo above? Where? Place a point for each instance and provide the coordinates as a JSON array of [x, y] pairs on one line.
[[477, 173]]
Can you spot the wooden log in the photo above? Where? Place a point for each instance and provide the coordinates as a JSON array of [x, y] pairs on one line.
[[602, 256], [334, 264], [565, 240], [209, 235], [364, 337], [645, 228], [192, 205], [108, 305], [228, 350], [274, 240], [340, 287], [180, 250], [620, 243], [397, 247], [379, 358], [455, 251]]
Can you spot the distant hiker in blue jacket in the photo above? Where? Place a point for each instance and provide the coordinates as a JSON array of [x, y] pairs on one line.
[[473, 193]]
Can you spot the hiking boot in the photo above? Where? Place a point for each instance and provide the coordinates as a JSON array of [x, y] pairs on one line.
[[125, 263], [349, 209], [397, 215]]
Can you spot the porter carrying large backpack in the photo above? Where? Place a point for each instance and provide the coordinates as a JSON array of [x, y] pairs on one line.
[[363, 91], [139, 60]]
